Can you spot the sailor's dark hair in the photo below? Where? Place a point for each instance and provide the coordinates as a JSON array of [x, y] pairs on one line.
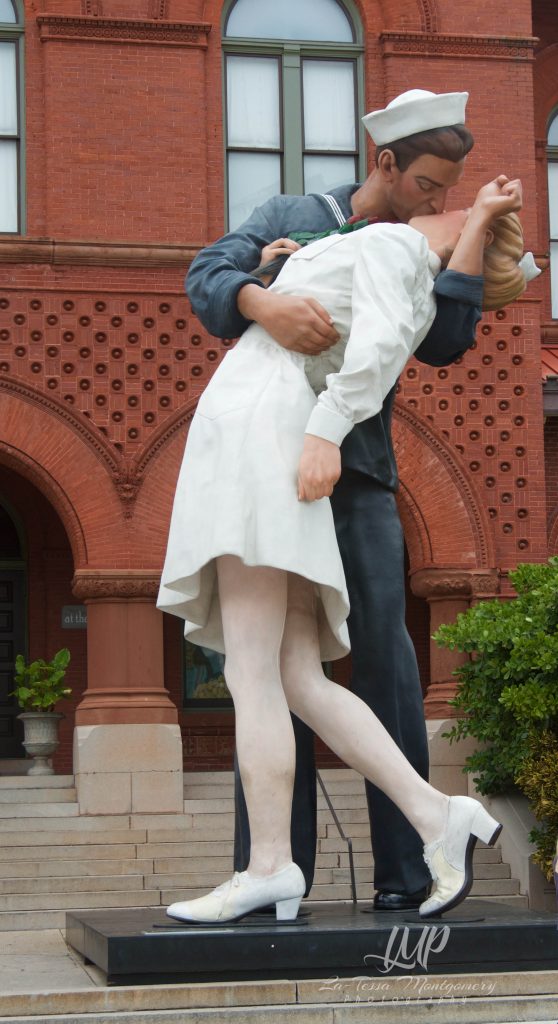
[[452, 143]]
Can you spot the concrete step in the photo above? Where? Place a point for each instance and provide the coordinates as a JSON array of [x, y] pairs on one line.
[[214, 806], [73, 884], [514, 900], [81, 900], [84, 823], [39, 782], [111, 848], [493, 881], [365, 859], [209, 791], [14, 811], [361, 844], [12, 796], [52, 868], [462, 999], [329, 775], [32, 921], [77, 835], [225, 804], [214, 865], [217, 848], [347, 815]]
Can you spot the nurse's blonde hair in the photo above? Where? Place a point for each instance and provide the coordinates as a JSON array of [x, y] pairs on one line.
[[504, 280]]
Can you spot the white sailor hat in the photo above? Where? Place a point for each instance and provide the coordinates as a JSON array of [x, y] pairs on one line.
[[415, 111]]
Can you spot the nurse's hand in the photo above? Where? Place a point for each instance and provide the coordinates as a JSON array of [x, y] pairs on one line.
[[280, 247], [319, 468]]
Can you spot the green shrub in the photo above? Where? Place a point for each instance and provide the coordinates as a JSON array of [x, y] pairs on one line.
[[507, 694], [538, 779]]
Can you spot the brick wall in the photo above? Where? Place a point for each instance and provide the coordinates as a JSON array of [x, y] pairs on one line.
[[102, 361]]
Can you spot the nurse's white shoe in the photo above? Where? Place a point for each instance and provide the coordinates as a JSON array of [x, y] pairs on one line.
[[450, 858], [244, 893]]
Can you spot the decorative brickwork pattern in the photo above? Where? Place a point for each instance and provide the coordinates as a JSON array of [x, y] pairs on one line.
[[122, 30], [128, 364], [484, 406], [413, 44]]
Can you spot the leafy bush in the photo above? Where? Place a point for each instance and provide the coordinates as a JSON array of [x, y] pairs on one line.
[[538, 779], [507, 695], [40, 685]]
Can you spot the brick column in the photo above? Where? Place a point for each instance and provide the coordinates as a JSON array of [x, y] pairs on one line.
[[127, 743], [448, 592]]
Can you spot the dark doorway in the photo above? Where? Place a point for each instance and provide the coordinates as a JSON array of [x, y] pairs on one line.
[[12, 631]]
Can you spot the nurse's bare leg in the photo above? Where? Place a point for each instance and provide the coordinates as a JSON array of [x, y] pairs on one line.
[[449, 826], [253, 603], [346, 723]]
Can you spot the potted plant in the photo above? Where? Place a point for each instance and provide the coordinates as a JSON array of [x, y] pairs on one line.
[[39, 687], [507, 696]]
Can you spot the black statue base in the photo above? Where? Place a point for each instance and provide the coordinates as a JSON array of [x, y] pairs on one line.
[[146, 947]]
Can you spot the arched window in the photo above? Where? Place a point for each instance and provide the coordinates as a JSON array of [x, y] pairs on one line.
[[552, 152], [11, 60], [293, 95]]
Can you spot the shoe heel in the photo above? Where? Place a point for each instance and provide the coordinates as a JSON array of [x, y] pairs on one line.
[[485, 827], [286, 910]]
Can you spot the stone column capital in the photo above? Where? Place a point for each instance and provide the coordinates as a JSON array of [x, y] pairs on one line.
[[443, 583], [104, 584]]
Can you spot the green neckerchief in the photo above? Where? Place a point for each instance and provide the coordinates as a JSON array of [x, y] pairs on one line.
[[304, 238]]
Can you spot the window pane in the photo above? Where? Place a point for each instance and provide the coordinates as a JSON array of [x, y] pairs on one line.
[[253, 178], [553, 198], [8, 192], [204, 679], [324, 172], [329, 104], [8, 89], [290, 19], [553, 132], [253, 102], [7, 12], [554, 278]]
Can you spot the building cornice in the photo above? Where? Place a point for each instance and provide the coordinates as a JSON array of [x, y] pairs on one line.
[[94, 254], [84, 28], [463, 47]]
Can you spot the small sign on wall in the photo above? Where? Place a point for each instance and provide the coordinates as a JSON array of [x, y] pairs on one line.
[[74, 616]]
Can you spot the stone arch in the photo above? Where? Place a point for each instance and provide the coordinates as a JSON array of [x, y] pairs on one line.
[[412, 15], [442, 515], [545, 80], [70, 463], [156, 469]]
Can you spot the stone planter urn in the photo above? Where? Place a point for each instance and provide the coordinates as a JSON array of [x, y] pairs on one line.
[[40, 739]]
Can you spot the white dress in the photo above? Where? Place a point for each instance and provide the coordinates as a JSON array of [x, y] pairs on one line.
[[237, 489]]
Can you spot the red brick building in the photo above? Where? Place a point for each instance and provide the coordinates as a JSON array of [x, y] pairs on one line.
[[117, 141]]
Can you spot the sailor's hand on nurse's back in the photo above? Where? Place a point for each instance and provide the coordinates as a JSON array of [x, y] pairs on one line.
[[319, 468], [498, 197], [297, 323]]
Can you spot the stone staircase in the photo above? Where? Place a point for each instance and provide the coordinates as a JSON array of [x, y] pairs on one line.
[[53, 860]]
